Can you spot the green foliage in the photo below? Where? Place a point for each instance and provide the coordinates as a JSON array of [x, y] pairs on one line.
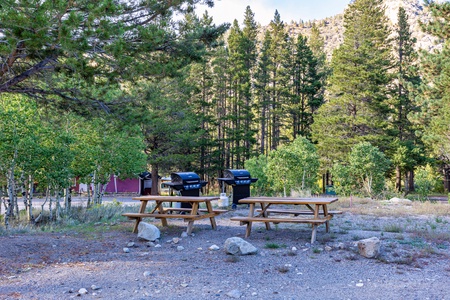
[[364, 172], [293, 167], [357, 110], [426, 179], [434, 97], [257, 167], [71, 53]]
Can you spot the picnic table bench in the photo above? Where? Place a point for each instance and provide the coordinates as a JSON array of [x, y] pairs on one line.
[[188, 214], [316, 214]]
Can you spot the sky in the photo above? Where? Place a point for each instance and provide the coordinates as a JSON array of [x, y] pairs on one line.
[[228, 10]]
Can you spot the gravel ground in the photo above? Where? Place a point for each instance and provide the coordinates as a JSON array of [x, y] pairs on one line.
[[414, 263]]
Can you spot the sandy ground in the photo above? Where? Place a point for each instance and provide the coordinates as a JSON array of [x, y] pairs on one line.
[[414, 263]]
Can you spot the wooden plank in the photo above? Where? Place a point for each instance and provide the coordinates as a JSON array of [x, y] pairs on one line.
[[298, 212], [288, 200], [217, 211], [175, 198], [279, 220]]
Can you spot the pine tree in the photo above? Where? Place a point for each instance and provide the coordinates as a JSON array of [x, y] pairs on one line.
[[242, 60], [304, 88], [435, 97], [278, 51], [406, 148], [357, 109], [262, 79], [249, 42], [76, 53]]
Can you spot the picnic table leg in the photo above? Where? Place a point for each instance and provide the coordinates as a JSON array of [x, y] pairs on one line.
[[210, 211], [313, 234], [265, 215], [325, 213], [159, 204], [138, 220], [251, 212], [191, 222], [314, 226]]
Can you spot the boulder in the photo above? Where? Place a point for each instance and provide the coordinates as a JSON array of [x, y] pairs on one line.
[[238, 246], [369, 248], [396, 200], [148, 232]]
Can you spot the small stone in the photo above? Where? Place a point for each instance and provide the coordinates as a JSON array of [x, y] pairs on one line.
[[158, 246], [94, 287], [184, 284], [294, 249], [180, 248], [126, 250], [328, 248], [360, 284], [184, 234], [254, 294], [82, 291], [175, 240], [236, 294], [199, 248], [214, 248], [150, 244], [147, 273], [130, 244]]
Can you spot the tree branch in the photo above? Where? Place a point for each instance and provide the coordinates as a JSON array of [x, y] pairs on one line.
[[28, 73]]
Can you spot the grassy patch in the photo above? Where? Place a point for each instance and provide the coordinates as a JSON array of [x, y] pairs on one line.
[[393, 228], [274, 246]]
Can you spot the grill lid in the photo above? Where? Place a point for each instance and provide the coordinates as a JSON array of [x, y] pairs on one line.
[[185, 178], [237, 177], [237, 174]]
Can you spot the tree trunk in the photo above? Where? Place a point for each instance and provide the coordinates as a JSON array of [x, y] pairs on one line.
[[67, 199], [398, 179], [155, 189]]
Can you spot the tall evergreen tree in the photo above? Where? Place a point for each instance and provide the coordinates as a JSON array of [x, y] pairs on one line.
[[435, 96], [357, 109], [406, 148], [304, 88], [249, 42], [262, 79], [278, 52]]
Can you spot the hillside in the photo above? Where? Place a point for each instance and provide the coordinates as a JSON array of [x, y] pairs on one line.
[[332, 28]]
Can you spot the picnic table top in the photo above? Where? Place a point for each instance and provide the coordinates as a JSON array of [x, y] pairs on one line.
[[288, 200], [176, 198]]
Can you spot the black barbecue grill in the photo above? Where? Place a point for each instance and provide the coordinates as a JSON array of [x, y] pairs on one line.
[[240, 180], [187, 183]]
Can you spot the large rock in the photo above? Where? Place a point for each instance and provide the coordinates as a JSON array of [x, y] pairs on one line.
[[396, 200], [369, 248], [238, 246], [148, 232]]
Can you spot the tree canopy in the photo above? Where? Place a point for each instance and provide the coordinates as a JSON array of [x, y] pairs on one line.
[[83, 53]]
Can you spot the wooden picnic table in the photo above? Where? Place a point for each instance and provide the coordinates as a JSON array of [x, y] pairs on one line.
[[188, 214], [316, 212]]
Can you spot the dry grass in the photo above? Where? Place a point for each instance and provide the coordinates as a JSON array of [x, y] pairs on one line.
[[380, 208]]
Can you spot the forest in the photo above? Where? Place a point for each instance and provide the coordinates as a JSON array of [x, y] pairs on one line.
[[89, 89]]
